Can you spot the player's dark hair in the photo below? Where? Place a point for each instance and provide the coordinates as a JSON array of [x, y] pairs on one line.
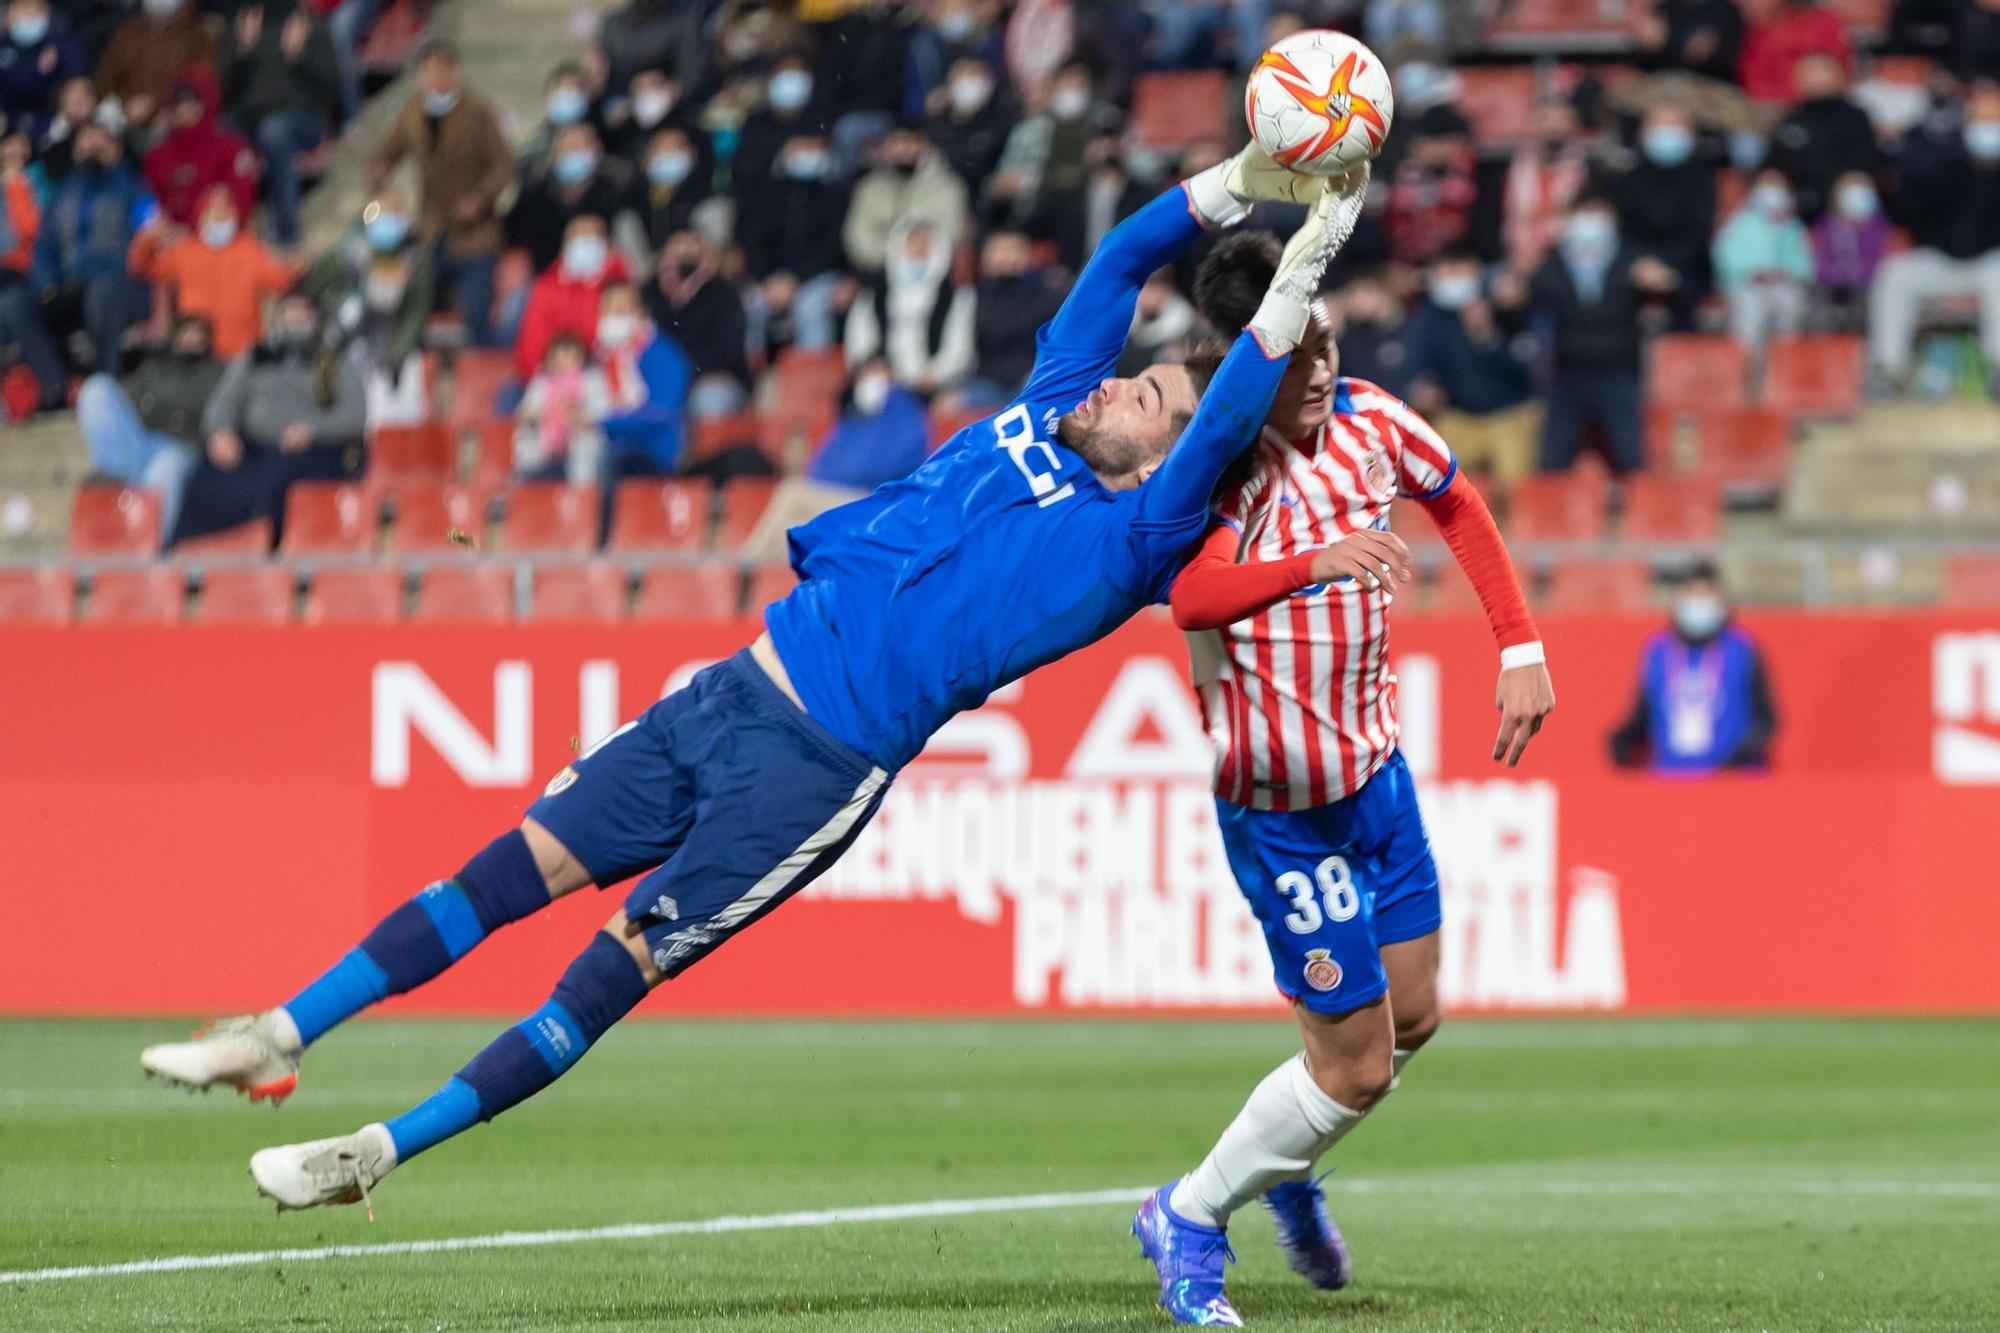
[[1232, 280]]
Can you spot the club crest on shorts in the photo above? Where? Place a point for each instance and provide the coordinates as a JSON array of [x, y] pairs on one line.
[[561, 782], [1322, 973]]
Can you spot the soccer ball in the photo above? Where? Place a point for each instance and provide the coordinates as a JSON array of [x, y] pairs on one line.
[[1319, 102]]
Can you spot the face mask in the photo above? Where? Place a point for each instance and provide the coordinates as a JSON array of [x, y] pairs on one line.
[[386, 231], [1668, 145], [649, 109], [28, 31], [1455, 291], [439, 104], [1982, 139], [1590, 236], [669, 168], [969, 93], [616, 330], [807, 166], [585, 256], [566, 106], [871, 394], [1699, 615], [218, 232], [1069, 103], [1773, 201], [383, 293], [910, 272], [574, 167], [163, 9], [790, 89], [1856, 201], [955, 26]]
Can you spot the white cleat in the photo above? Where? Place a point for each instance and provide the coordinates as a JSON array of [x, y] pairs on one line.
[[251, 1054], [325, 1171]]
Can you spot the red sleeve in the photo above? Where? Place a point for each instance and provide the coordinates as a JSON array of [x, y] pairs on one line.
[[1467, 524], [1213, 590]]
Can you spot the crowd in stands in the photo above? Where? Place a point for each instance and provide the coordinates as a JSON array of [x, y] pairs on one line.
[[904, 187]]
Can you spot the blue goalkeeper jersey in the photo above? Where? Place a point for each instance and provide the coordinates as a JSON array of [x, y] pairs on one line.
[[1004, 551]]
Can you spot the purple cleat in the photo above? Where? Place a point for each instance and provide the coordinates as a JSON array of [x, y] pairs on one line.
[[1306, 1233], [1190, 1260]]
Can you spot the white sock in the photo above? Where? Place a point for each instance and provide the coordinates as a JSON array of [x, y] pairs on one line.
[[1277, 1136], [1397, 1060], [376, 1136], [278, 1025]]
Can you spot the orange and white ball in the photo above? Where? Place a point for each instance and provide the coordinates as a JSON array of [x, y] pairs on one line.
[[1319, 103]]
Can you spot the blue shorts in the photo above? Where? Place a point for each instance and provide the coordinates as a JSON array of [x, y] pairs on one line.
[[726, 792], [1333, 884]]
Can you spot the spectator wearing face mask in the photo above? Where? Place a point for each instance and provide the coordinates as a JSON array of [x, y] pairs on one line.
[[909, 184], [791, 250], [1044, 165], [577, 182], [1544, 178], [673, 179], [38, 55], [955, 30], [1666, 205], [565, 102], [648, 378], [566, 297], [198, 153], [1471, 371], [80, 272], [281, 83], [1949, 201], [916, 320], [1825, 135], [463, 169], [55, 143], [1764, 264], [1849, 242], [220, 271], [1373, 332], [1704, 700], [378, 285], [794, 106], [653, 105], [692, 303], [146, 429], [1431, 193], [1587, 295], [557, 430], [148, 53], [967, 120], [1700, 37]]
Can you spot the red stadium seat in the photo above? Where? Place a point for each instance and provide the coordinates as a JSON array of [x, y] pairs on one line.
[[114, 520], [477, 376], [744, 501], [654, 515], [709, 436], [1744, 446], [551, 516], [1450, 593], [1578, 586], [150, 596], [1557, 507], [1696, 371], [481, 592], [802, 376], [696, 592], [1527, 24], [399, 454], [795, 431], [1170, 108], [595, 591], [1672, 509], [428, 514], [261, 596], [1499, 102], [370, 596], [1819, 375], [1972, 580], [36, 596], [245, 539], [1408, 520], [330, 518], [493, 461], [768, 583]]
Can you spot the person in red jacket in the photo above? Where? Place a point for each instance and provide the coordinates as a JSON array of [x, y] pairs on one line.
[[1779, 32], [565, 298], [198, 153]]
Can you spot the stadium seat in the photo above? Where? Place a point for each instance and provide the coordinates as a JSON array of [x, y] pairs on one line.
[[695, 592], [1499, 101], [1672, 509], [149, 596], [1972, 579], [794, 431], [1408, 520], [114, 520], [551, 516], [493, 457], [768, 583], [1819, 375], [744, 501], [1449, 593], [250, 539], [802, 376], [595, 591], [1531, 24], [330, 518], [1580, 586], [660, 515], [1695, 371], [36, 596], [479, 592], [399, 454], [371, 595], [427, 514], [1557, 507], [710, 436], [1744, 446], [477, 376], [259, 596], [1170, 108]]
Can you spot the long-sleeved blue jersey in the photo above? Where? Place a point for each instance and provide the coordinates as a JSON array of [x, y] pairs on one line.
[[1003, 551]]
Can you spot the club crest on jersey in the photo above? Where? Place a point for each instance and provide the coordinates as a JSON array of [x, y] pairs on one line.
[[1322, 973], [561, 782], [1381, 476]]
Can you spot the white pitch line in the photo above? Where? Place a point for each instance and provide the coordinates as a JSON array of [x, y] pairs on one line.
[[1018, 1203]]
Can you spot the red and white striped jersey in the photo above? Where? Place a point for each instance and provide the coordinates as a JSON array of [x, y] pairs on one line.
[[1298, 698]]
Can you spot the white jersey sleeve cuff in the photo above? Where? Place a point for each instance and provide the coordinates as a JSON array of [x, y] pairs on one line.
[[1522, 654]]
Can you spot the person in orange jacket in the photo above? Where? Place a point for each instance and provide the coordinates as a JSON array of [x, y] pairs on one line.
[[220, 271], [565, 298]]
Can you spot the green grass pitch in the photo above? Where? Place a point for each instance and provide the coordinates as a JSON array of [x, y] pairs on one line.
[[1784, 1174]]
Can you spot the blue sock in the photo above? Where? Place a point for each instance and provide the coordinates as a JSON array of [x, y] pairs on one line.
[[425, 936], [600, 987]]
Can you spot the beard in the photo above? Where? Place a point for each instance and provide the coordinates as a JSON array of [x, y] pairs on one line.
[[1108, 455]]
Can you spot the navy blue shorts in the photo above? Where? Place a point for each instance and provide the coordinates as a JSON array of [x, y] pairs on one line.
[[1333, 884], [726, 792]]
